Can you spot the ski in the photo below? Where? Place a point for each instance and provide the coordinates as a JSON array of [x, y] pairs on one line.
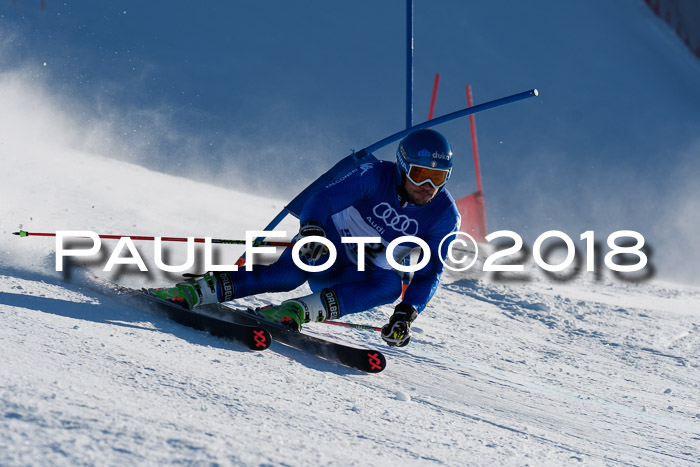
[[254, 336], [244, 325], [367, 360]]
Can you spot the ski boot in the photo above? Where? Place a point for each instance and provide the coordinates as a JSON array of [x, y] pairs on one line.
[[201, 290], [293, 313]]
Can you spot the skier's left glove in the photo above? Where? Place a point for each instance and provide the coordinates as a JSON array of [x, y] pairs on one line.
[[397, 332], [313, 251]]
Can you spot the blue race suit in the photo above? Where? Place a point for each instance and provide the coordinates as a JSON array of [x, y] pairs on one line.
[[363, 203]]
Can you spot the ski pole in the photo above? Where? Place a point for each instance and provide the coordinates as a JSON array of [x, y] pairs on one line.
[[24, 233], [354, 326]]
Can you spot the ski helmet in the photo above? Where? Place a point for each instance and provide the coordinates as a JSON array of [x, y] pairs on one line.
[[425, 156]]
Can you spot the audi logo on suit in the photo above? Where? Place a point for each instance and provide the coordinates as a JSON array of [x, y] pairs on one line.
[[399, 222]]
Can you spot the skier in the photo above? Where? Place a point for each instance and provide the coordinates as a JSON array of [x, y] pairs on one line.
[[384, 199]]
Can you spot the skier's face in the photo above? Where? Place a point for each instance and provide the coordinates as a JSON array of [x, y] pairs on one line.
[[419, 195]]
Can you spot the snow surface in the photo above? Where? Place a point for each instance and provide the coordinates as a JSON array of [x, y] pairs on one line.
[[538, 372], [592, 372]]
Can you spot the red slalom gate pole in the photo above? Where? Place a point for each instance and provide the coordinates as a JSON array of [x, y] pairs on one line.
[[24, 233], [434, 96], [475, 146]]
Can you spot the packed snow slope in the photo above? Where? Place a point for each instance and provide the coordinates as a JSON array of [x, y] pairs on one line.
[[537, 372]]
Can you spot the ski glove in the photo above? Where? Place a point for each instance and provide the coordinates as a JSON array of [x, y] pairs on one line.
[[398, 331], [312, 251]]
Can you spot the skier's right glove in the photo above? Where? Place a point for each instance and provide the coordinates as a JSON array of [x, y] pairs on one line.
[[398, 331], [312, 251]]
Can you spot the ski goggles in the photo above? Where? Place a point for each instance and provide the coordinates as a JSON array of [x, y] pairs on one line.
[[420, 175]]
